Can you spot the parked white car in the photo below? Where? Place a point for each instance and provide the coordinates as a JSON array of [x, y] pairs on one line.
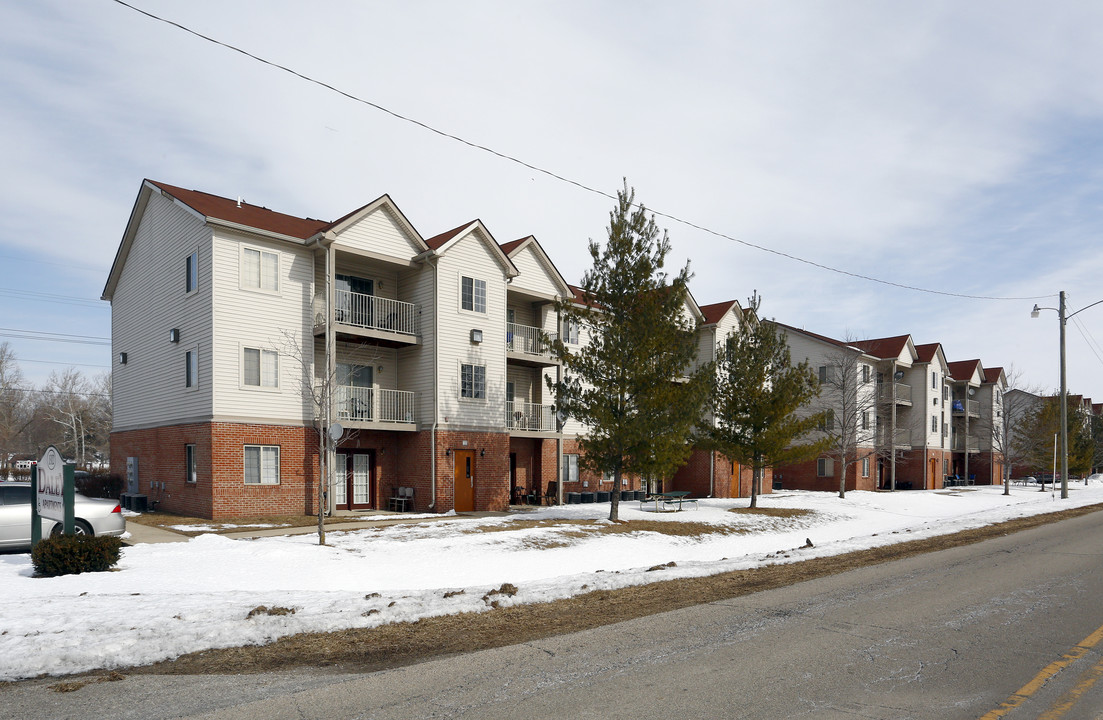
[[93, 516]]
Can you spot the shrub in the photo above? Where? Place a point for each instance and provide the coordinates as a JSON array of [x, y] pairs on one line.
[[100, 485], [72, 554]]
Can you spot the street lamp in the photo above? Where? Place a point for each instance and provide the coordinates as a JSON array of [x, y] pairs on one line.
[[1064, 387]]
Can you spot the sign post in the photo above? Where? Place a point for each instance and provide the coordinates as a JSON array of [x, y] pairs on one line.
[[53, 490]]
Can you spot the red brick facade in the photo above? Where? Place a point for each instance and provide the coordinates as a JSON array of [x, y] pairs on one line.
[[720, 478], [804, 476]]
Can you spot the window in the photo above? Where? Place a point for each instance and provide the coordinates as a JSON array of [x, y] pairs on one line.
[[865, 466], [191, 368], [825, 467], [865, 419], [945, 393], [189, 463], [260, 270], [191, 272], [473, 294], [473, 382], [934, 380], [570, 331], [570, 468], [823, 374], [865, 373], [262, 464], [260, 368], [934, 424], [827, 424]]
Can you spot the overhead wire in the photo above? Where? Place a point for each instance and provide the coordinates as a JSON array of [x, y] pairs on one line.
[[557, 176]]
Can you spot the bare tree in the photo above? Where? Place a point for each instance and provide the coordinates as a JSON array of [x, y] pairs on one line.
[[14, 406], [1008, 424], [848, 398], [66, 401]]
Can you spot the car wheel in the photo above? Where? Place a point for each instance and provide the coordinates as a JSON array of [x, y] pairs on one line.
[[81, 528]]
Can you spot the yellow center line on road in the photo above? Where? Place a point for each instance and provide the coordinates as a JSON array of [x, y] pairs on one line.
[[1066, 701], [1026, 691]]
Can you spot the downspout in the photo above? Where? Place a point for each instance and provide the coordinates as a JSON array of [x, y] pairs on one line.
[[436, 413], [331, 374], [559, 424], [712, 472]]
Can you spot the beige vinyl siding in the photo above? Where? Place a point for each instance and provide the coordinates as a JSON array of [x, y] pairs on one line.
[[269, 320], [470, 256], [379, 232], [534, 275], [149, 300], [416, 368]]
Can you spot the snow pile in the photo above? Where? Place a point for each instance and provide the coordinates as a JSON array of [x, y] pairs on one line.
[[169, 599]]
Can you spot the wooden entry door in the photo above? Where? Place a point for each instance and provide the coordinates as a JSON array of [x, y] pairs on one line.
[[463, 475], [933, 473], [354, 480]]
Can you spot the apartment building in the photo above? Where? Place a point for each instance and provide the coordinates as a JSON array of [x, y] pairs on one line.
[[238, 332]]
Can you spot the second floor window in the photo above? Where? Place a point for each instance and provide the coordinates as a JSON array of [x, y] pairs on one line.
[[473, 382], [191, 272], [260, 270], [570, 331], [261, 368], [934, 424], [865, 373], [191, 368], [473, 294]]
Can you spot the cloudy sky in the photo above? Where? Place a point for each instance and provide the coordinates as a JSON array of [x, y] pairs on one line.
[[951, 147]]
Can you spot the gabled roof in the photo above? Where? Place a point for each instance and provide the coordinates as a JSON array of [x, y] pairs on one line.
[[966, 370], [992, 375], [383, 201], [815, 336], [715, 312], [442, 243], [511, 249], [888, 348], [214, 207], [927, 351]]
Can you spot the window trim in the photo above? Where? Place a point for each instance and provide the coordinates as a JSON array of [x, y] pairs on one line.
[[825, 467], [242, 380], [475, 283], [191, 367], [570, 461], [191, 272], [259, 288], [190, 471], [474, 397], [865, 466], [260, 464]]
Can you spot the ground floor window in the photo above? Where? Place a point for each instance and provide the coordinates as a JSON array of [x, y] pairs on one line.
[[189, 463], [825, 467], [865, 466], [262, 464], [570, 468]]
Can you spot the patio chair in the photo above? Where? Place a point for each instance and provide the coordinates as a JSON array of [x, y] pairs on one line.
[[551, 495]]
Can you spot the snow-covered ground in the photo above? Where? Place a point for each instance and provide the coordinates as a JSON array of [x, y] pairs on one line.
[[169, 599]]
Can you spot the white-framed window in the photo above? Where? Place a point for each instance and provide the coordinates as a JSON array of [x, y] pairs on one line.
[[191, 367], [865, 419], [191, 273], [934, 380], [570, 467], [865, 466], [189, 464], [472, 294], [570, 331], [827, 424], [825, 467], [262, 464], [260, 368], [473, 382], [945, 393], [823, 374], [934, 424], [260, 269], [865, 373]]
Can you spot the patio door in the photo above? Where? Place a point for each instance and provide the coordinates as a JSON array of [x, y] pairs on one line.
[[354, 471], [353, 299], [463, 475], [354, 396]]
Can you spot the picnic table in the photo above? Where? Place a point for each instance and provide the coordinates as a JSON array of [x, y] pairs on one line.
[[672, 497]]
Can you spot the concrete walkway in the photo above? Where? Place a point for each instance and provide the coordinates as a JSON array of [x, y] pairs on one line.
[[140, 534]]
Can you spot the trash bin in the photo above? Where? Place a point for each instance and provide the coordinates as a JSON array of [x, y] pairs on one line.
[[627, 495], [602, 496], [574, 498], [587, 497]]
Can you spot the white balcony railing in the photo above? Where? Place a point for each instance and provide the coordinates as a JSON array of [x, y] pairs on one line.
[[527, 340], [532, 417], [372, 404], [972, 442], [960, 407], [377, 313], [902, 438], [903, 392]]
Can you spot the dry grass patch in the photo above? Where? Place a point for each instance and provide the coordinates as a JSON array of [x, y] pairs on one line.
[[584, 528], [787, 513], [165, 521]]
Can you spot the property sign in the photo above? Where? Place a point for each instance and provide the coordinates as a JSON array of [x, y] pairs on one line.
[[51, 485]]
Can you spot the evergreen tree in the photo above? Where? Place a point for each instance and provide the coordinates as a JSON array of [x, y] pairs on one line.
[[756, 400], [632, 384]]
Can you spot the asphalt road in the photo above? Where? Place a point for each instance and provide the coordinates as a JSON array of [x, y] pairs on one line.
[[1006, 628]]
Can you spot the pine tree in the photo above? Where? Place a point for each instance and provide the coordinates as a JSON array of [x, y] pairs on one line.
[[632, 384], [756, 400]]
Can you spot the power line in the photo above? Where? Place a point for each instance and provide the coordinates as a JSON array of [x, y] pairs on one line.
[[49, 297], [56, 392], [556, 176], [57, 264], [54, 337], [58, 362], [1092, 345]]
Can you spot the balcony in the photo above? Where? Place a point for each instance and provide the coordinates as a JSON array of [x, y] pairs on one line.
[[903, 393], [902, 437], [526, 345], [376, 407], [358, 317], [972, 442], [526, 417], [961, 407]]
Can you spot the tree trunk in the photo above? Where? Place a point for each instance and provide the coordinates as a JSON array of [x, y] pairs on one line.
[[842, 480], [754, 482], [614, 497]]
